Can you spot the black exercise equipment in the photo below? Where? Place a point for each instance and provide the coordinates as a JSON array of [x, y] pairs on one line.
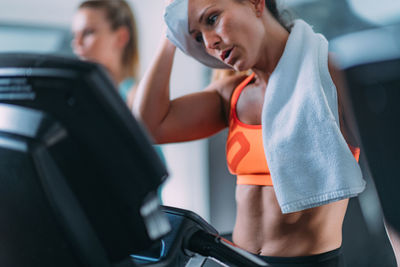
[[371, 63], [78, 177]]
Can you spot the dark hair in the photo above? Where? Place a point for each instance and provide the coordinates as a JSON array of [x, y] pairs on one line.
[[285, 21], [119, 14], [278, 15]]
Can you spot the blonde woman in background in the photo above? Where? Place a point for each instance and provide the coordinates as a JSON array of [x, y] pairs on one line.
[[105, 32]]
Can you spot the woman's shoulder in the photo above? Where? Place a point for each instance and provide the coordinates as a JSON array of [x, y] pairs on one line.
[[125, 87], [226, 85]]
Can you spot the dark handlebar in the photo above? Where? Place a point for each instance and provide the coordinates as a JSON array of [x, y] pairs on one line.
[[211, 245]]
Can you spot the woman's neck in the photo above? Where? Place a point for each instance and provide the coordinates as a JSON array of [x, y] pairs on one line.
[[272, 49], [117, 74]]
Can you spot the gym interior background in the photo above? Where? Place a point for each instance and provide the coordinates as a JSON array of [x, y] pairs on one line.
[[199, 179]]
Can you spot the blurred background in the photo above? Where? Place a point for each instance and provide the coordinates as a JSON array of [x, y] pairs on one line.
[[199, 179]]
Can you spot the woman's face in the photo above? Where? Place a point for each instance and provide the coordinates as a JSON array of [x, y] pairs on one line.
[[94, 40], [230, 30]]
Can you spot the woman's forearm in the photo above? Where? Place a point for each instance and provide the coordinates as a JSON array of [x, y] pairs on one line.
[[152, 98]]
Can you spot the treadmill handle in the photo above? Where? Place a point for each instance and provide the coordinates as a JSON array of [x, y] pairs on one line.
[[210, 245]]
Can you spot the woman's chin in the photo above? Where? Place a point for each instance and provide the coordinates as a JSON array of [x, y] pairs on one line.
[[239, 66]]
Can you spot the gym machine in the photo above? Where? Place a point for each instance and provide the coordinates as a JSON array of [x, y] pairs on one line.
[[79, 177]]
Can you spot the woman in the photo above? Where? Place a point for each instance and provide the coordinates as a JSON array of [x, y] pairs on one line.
[[223, 28], [105, 33]]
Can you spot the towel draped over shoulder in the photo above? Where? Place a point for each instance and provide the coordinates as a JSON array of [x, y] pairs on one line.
[[308, 157]]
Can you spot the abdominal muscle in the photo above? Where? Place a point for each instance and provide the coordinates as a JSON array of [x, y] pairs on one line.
[[261, 228]]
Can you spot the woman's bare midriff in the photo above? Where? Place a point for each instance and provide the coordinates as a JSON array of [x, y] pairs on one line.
[[261, 228]]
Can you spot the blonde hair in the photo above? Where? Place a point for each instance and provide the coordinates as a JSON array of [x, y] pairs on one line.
[[218, 74], [119, 14]]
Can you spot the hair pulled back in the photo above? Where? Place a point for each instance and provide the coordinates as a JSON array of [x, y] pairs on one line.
[[119, 14], [277, 14]]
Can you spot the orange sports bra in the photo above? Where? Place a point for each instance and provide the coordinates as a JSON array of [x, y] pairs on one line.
[[244, 147]]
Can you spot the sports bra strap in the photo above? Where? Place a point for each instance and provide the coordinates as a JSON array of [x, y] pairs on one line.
[[238, 90]]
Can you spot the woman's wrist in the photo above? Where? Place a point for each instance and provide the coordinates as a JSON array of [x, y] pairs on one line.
[[167, 45]]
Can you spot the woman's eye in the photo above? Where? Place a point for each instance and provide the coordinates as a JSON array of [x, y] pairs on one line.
[[211, 19], [88, 32], [199, 38]]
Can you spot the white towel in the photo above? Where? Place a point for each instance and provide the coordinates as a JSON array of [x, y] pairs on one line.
[[176, 18], [309, 160]]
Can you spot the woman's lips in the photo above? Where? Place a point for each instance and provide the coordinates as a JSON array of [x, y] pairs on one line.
[[230, 57], [225, 56]]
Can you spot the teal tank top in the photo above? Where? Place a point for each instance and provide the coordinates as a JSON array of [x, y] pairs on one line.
[[123, 89]]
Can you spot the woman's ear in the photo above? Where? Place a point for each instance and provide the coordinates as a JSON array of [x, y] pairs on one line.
[[122, 36], [259, 6]]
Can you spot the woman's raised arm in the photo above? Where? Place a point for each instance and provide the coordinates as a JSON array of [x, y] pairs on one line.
[[186, 118], [152, 98]]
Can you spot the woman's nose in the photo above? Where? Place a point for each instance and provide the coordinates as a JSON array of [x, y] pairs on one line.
[[76, 41], [211, 40]]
